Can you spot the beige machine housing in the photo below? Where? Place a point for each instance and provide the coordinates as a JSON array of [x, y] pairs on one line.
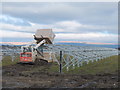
[[46, 34]]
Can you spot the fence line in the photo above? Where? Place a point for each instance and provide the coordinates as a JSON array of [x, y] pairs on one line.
[[76, 56]]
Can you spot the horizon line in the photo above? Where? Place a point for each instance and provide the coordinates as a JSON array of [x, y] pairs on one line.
[[94, 43]]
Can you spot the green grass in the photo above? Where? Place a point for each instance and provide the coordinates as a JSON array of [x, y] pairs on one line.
[[7, 60], [54, 68], [108, 65]]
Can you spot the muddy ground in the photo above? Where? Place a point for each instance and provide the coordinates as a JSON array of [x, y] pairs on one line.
[[35, 76]]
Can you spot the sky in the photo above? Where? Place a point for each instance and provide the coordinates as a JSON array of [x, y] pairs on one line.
[[95, 22]]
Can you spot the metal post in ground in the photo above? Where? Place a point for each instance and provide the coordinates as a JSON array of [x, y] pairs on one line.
[[60, 61], [67, 62]]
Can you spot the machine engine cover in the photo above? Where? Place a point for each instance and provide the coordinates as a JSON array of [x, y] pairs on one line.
[[46, 34]]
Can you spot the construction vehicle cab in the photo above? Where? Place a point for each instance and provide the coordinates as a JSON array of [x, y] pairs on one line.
[[26, 57]]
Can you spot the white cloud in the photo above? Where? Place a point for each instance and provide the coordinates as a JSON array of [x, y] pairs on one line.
[[62, 26], [74, 26], [97, 37], [11, 34], [12, 19], [68, 26]]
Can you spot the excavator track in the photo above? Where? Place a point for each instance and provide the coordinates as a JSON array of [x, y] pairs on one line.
[[40, 62]]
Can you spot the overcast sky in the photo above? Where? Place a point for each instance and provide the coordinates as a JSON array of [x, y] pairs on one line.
[[87, 22]]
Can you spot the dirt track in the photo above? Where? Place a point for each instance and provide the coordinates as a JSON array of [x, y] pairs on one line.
[[29, 76]]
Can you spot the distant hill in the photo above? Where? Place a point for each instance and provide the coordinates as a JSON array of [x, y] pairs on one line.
[[76, 44], [4, 44], [94, 45]]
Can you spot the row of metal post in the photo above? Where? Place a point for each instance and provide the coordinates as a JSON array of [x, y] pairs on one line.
[[60, 65]]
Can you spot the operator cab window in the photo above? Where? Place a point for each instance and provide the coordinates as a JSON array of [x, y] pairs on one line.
[[25, 55]]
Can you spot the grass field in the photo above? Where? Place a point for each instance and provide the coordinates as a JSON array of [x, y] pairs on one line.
[[7, 60], [108, 65]]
